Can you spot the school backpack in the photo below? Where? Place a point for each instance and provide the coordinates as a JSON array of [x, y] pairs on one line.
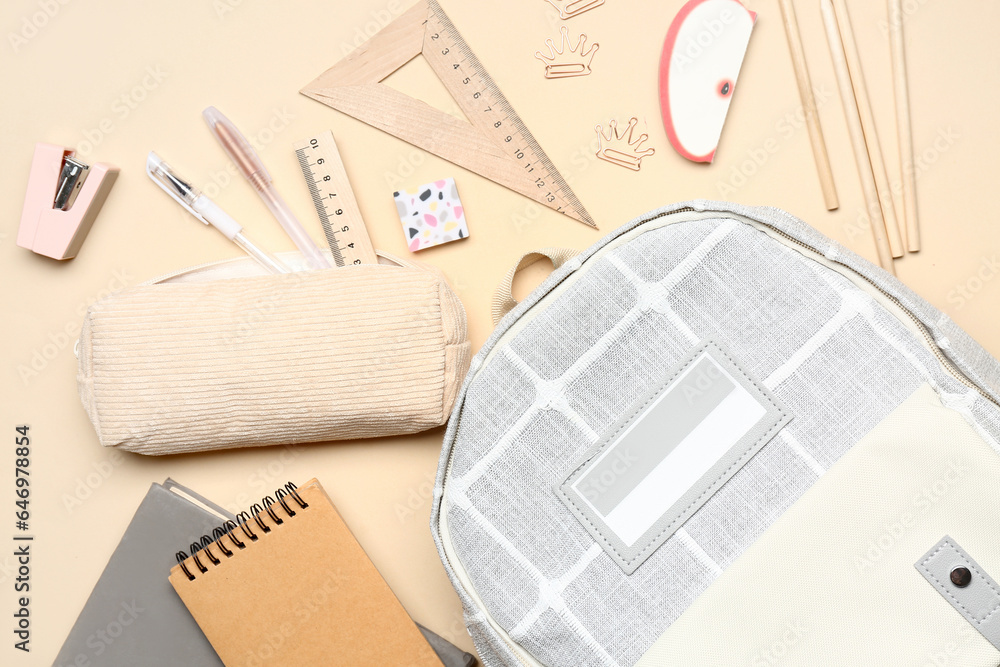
[[717, 437]]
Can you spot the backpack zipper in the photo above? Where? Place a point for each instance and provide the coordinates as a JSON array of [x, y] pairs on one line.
[[947, 363]]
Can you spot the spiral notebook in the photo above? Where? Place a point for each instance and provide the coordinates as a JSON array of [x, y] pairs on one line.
[[289, 585]]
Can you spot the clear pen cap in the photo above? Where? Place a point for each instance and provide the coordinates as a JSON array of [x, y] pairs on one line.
[[183, 192]]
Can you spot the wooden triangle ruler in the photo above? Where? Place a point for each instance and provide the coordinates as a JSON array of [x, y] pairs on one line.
[[494, 142]]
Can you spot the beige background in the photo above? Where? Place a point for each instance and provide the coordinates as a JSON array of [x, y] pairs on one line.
[[83, 79]]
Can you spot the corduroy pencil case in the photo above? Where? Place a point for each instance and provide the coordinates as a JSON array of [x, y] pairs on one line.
[[223, 355]]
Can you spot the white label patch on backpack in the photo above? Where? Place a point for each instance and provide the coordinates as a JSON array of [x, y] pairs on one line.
[[658, 465]]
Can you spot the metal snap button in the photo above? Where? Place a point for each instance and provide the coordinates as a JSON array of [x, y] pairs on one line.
[[961, 577]]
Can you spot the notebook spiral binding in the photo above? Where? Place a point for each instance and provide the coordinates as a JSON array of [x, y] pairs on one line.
[[243, 523]]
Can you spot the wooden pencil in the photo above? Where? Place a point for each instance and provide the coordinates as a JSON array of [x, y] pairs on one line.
[[903, 127], [857, 135], [857, 76], [809, 105]]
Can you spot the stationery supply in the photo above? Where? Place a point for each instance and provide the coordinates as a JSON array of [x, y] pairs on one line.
[[334, 199], [494, 143], [857, 77], [567, 61], [133, 615], [431, 214], [63, 198], [655, 462], [905, 134], [290, 585], [855, 129], [569, 8], [698, 74], [248, 163], [618, 147], [449, 654], [225, 355], [809, 105], [205, 210]]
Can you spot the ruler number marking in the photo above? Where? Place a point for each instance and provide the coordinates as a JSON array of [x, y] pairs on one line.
[[318, 183], [527, 149]]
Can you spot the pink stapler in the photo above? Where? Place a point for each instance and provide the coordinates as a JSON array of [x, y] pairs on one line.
[[63, 198]]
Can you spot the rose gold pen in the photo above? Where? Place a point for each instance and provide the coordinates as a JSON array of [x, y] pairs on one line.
[[249, 164]]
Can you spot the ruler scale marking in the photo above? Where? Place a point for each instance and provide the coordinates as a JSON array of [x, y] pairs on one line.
[[326, 180]]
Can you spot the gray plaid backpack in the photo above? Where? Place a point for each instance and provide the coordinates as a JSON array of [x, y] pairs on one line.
[[719, 438]]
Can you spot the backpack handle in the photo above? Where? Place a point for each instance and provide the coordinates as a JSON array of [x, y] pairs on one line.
[[503, 299]]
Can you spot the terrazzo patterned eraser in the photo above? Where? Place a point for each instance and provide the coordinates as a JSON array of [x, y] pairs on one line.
[[431, 214]]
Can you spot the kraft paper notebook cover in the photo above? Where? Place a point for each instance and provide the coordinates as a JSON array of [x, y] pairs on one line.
[[132, 613], [302, 593]]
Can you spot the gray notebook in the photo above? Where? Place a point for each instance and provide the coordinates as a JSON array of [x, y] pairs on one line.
[[133, 612]]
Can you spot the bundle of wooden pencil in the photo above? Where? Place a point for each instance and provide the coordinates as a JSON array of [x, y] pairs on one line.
[[888, 232]]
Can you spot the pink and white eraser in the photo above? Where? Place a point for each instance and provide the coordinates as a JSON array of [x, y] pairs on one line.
[[701, 59], [431, 214]]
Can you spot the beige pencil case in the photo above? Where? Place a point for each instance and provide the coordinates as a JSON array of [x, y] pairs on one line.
[[223, 355]]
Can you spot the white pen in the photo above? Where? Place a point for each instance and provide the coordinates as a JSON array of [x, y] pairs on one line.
[[207, 211]]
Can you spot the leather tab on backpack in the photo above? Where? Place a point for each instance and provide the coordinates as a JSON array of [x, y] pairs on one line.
[[965, 586]]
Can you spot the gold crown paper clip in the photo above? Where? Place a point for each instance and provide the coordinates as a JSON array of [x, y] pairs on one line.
[[618, 148], [569, 8], [567, 61]]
